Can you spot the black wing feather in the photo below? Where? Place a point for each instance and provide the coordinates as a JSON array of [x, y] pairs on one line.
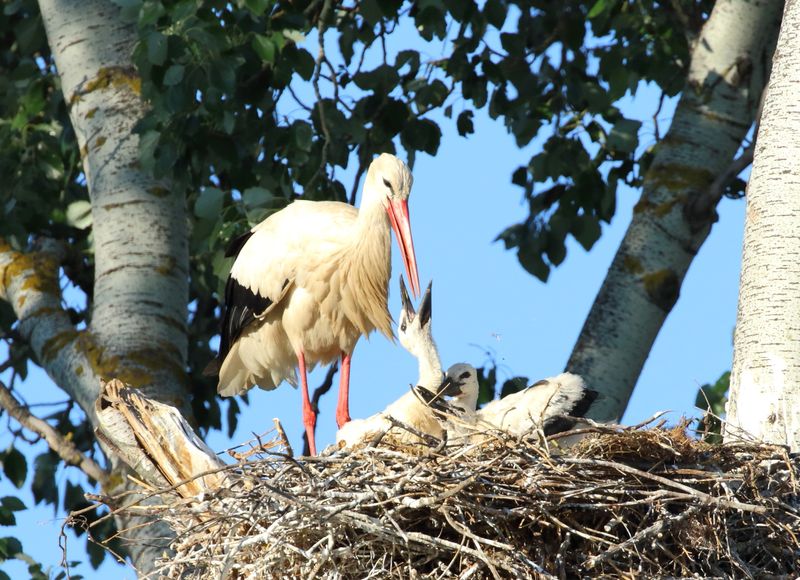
[[237, 244], [242, 306], [561, 423]]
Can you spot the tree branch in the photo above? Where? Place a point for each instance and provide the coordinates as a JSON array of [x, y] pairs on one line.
[[702, 209], [29, 283], [65, 448]]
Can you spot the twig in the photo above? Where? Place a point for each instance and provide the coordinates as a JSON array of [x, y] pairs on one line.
[[321, 27], [703, 497], [65, 448]]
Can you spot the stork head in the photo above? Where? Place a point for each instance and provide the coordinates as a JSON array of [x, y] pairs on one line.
[[461, 384], [414, 328], [391, 179]]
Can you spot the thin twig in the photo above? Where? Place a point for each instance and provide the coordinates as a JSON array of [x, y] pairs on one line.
[[65, 448]]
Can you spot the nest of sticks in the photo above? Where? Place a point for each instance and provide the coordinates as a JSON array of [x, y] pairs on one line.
[[633, 502]]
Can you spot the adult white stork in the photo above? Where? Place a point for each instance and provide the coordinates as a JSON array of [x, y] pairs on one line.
[[308, 281]]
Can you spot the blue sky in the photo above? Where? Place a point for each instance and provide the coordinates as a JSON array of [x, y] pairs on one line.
[[483, 302]]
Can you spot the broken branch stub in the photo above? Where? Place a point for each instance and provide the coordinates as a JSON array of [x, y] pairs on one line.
[[156, 441]]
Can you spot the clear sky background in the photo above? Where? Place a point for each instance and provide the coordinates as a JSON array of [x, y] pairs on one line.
[[483, 302]]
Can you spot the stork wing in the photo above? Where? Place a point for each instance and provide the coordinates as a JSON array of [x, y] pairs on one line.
[[273, 255]]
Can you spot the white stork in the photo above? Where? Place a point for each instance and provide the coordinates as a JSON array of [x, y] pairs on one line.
[[308, 281], [549, 405]]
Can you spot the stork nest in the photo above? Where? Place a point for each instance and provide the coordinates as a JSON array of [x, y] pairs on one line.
[[628, 503]]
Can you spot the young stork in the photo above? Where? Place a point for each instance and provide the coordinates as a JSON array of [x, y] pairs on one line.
[[308, 281], [550, 405], [414, 407]]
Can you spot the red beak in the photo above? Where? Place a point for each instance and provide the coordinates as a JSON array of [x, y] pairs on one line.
[[401, 224]]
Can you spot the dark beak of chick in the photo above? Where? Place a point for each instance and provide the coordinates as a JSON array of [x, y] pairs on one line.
[[406, 300]]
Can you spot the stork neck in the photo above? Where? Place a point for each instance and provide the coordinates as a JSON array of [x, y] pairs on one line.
[[372, 217], [430, 366]]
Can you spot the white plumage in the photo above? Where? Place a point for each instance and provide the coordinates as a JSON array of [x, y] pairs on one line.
[[544, 406], [414, 407], [308, 281]]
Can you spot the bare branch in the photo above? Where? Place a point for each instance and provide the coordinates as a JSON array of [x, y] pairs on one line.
[[321, 27], [65, 448]]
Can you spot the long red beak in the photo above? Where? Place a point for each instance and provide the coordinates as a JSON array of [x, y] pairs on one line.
[[401, 224]]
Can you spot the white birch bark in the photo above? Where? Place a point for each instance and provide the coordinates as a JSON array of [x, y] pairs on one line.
[[728, 70], [139, 227], [764, 399], [138, 325], [29, 283]]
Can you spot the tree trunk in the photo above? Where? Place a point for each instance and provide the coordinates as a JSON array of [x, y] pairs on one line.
[[765, 381], [138, 328], [138, 325], [726, 77]]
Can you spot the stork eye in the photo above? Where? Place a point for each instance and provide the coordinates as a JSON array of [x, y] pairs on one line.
[[388, 184], [464, 376]]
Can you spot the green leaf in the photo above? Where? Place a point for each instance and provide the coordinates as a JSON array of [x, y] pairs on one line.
[[464, 123], [264, 48], [586, 230], [495, 12], [79, 214], [531, 259], [130, 9], [7, 517], [599, 7], [302, 133], [209, 203], [258, 7], [44, 486], [9, 547], [147, 148], [256, 197], [514, 385], [487, 382], [174, 75], [624, 136], [422, 135], [156, 48], [12, 503], [15, 466]]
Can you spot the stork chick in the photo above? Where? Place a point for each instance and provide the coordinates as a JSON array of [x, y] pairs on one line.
[[307, 282], [414, 407], [550, 405]]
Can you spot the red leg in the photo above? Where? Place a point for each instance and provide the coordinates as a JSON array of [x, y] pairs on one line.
[[343, 406], [309, 416]]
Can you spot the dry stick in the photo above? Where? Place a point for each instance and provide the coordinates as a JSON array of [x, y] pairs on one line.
[[65, 448], [649, 531], [704, 497], [315, 397]]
